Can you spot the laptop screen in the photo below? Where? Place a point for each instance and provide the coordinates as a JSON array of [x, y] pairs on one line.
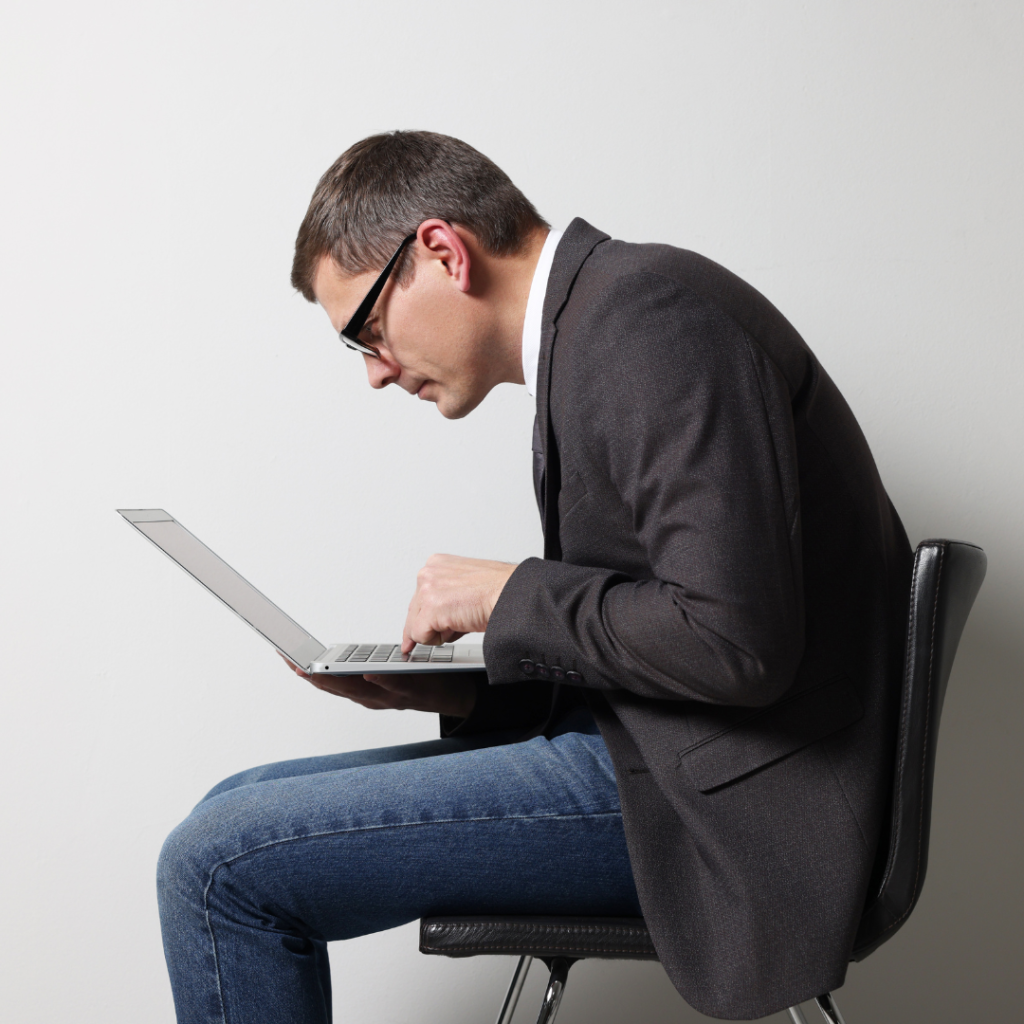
[[220, 579]]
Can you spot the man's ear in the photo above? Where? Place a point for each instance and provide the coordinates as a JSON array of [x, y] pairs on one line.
[[443, 243]]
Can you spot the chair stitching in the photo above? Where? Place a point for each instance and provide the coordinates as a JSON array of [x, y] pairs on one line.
[[559, 949], [548, 937], [616, 930], [528, 926]]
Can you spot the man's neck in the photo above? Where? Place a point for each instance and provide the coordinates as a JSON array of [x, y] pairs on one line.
[[511, 279]]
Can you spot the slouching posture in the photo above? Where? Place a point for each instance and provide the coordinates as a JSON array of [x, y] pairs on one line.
[[727, 581], [689, 706]]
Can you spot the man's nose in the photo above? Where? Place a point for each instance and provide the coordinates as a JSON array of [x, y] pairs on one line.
[[381, 371]]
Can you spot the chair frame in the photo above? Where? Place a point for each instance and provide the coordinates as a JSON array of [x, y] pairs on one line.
[[556, 988]]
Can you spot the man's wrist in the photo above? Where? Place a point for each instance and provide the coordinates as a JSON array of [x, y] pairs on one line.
[[507, 569]]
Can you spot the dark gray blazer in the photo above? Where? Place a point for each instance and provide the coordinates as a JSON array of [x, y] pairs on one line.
[[726, 581]]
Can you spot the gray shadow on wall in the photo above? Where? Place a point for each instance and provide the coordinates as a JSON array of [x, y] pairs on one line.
[[958, 957]]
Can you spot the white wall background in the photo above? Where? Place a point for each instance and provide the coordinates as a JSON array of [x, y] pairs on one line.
[[860, 162]]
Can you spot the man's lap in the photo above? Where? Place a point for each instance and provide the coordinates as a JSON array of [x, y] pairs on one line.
[[347, 844]]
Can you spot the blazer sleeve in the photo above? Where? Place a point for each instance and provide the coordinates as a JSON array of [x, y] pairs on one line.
[[683, 429]]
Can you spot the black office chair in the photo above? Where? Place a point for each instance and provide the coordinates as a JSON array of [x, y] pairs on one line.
[[946, 579]]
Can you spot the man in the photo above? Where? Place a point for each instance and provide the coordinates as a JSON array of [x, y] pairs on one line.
[[722, 592]]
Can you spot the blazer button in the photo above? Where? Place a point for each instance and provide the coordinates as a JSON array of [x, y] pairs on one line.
[[543, 672], [527, 667], [557, 673], [573, 677]]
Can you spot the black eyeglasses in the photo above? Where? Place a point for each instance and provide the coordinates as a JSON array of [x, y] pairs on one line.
[[349, 334]]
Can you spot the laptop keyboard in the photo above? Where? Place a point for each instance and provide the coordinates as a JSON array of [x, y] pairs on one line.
[[376, 654]]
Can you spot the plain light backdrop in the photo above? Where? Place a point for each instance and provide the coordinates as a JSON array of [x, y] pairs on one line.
[[861, 163]]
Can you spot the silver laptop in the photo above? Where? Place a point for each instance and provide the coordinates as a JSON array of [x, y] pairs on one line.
[[283, 632]]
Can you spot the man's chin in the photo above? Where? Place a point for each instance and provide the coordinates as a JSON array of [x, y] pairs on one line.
[[452, 413], [454, 407]]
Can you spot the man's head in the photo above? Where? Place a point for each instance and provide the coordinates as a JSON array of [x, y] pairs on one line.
[[445, 326]]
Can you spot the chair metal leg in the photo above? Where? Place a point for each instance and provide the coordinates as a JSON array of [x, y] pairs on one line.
[[828, 1008], [796, 1015], [515, 989], [556, 986]]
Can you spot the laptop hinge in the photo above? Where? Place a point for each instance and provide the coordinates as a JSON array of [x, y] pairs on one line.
[[309, 651]]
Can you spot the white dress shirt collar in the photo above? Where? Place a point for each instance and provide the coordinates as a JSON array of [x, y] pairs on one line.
[[535, 310]]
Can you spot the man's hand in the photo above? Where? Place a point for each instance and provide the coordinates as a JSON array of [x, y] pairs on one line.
[[454, 596], [444, 693]]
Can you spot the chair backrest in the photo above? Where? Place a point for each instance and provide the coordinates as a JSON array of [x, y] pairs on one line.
[[946, 580]]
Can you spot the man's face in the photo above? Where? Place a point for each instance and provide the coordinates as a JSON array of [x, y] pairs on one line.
[[431, 333]]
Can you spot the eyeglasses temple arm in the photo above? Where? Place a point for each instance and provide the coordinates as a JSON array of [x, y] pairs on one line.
[[360, 315]]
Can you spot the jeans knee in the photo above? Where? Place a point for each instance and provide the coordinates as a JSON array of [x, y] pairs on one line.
[[252, 776], [233, 782], [186, 862]]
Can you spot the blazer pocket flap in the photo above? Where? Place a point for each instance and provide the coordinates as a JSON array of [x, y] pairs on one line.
[[772, 733]]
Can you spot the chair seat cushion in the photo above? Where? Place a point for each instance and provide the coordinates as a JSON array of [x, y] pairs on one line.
[[610, 938]]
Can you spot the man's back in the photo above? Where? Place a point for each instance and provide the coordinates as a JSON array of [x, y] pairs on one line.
[[732, 588]]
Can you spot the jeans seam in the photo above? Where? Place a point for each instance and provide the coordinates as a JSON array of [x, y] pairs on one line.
[[407, 824], [362, 828], [213, 944]]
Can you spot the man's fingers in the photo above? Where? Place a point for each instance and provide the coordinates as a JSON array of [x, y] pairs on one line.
[[344, 686], [417, 635], [421, 626], [454, 596], [379, 691], [356, 689], [418, 631], [447, 693]]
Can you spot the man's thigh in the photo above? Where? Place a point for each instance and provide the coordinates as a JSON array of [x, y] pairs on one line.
[[524, 828], [359, 759]]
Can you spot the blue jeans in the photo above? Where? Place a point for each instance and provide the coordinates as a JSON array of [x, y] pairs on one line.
[[278, 861]]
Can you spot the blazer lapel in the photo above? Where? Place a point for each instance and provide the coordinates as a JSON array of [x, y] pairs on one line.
[[578, 242], [538, 467]]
